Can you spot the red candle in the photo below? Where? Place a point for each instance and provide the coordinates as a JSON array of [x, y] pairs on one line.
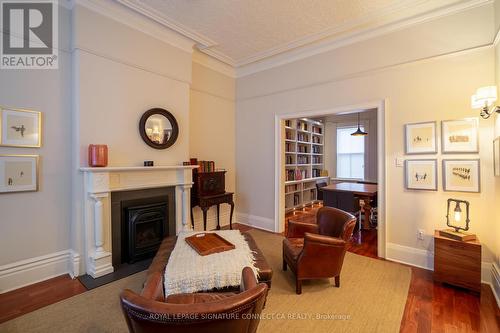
[[98, 155]]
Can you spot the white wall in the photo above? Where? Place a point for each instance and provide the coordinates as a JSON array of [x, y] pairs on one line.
[[37, 223], [212, 124], [120, 74], [430, 89]]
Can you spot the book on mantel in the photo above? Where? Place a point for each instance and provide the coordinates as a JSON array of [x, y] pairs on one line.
[[203, 166]]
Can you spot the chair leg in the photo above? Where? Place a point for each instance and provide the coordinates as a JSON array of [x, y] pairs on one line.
[[337, 281], [298, 286], [284, 264]]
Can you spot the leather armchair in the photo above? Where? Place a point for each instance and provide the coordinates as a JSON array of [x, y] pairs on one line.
[[197, 312], [316, 251]]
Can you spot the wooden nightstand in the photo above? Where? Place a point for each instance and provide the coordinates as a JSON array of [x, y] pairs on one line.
[[457, 263]]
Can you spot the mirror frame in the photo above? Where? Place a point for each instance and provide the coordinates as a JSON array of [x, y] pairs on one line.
[[173, 122]]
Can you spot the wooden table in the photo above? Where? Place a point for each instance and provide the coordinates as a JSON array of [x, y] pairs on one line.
[[366, 192]]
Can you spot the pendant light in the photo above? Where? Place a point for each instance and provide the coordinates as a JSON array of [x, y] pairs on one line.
[[359, 132]]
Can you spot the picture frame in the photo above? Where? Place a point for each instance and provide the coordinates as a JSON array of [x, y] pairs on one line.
[[19, 173], [421, 138], [462, 175], [496, 157], [20, 128], [460, 136], [421, 174]]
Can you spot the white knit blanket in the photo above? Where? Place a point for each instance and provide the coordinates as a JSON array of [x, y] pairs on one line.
[[189, 272]]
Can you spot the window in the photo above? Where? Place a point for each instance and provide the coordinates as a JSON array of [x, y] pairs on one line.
[[350, 153]]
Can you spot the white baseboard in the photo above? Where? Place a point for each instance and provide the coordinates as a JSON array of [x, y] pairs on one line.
[[33, 270], [74, 264], [254, 221], [410, 256]]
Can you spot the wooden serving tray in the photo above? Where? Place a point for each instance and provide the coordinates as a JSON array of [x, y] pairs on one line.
[[208, 243]]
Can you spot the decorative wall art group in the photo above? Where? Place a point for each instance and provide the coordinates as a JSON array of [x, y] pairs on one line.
[[23, 129], [457, 137]]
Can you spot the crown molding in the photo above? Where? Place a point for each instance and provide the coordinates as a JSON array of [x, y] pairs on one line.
[[331, 32], [128, 17], [291, 52], [219, 56], [157, 16], [214, 64]]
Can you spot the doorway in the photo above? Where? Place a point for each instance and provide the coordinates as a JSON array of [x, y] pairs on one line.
[[364, 163]]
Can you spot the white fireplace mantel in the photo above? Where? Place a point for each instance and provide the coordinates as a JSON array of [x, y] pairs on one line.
[[98, 185]]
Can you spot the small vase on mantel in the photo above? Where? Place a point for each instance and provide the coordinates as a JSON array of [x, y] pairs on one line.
[[98, 155]]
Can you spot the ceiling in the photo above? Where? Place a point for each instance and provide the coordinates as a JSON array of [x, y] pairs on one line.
[[239, 32]]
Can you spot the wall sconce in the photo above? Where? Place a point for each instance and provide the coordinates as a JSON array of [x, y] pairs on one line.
[[454, 208], [483, 99]]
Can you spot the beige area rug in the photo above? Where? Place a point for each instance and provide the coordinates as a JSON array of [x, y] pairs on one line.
[[371, 298]]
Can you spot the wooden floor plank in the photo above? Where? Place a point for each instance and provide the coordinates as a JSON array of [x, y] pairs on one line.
[[27, 299]]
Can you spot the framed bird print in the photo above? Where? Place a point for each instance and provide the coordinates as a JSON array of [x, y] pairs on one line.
[[20, 128], [421, 175], [421, 138], [18, 173], [461, 175]]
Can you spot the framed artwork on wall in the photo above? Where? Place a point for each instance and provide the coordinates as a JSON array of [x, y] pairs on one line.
[[421, 175], [421, 138], [496, 156], [20, 128], [18, 173], [460, 136], [461, 175]]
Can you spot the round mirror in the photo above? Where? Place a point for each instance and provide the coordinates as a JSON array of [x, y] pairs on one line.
[[158, 128]]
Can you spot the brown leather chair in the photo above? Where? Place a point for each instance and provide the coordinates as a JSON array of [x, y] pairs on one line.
[[316, 251], [196, 312]]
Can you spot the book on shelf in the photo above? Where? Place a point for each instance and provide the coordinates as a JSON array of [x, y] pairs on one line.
[[317, 130], [203, 166], [296, 199]]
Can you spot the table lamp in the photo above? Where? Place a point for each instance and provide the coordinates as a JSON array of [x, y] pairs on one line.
[[457, 232]]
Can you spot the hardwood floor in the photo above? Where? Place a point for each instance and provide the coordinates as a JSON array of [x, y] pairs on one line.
[[21, 301], [430, 307]]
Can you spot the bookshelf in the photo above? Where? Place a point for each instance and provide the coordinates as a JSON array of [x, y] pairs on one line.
[[304, 161]]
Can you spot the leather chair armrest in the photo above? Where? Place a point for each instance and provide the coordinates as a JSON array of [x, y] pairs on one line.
[[310, 238], [153, 287], [321, 256], [298, 229], [248, 280]]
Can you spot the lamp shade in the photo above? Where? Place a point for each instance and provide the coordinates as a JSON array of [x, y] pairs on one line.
[[485, 96]]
